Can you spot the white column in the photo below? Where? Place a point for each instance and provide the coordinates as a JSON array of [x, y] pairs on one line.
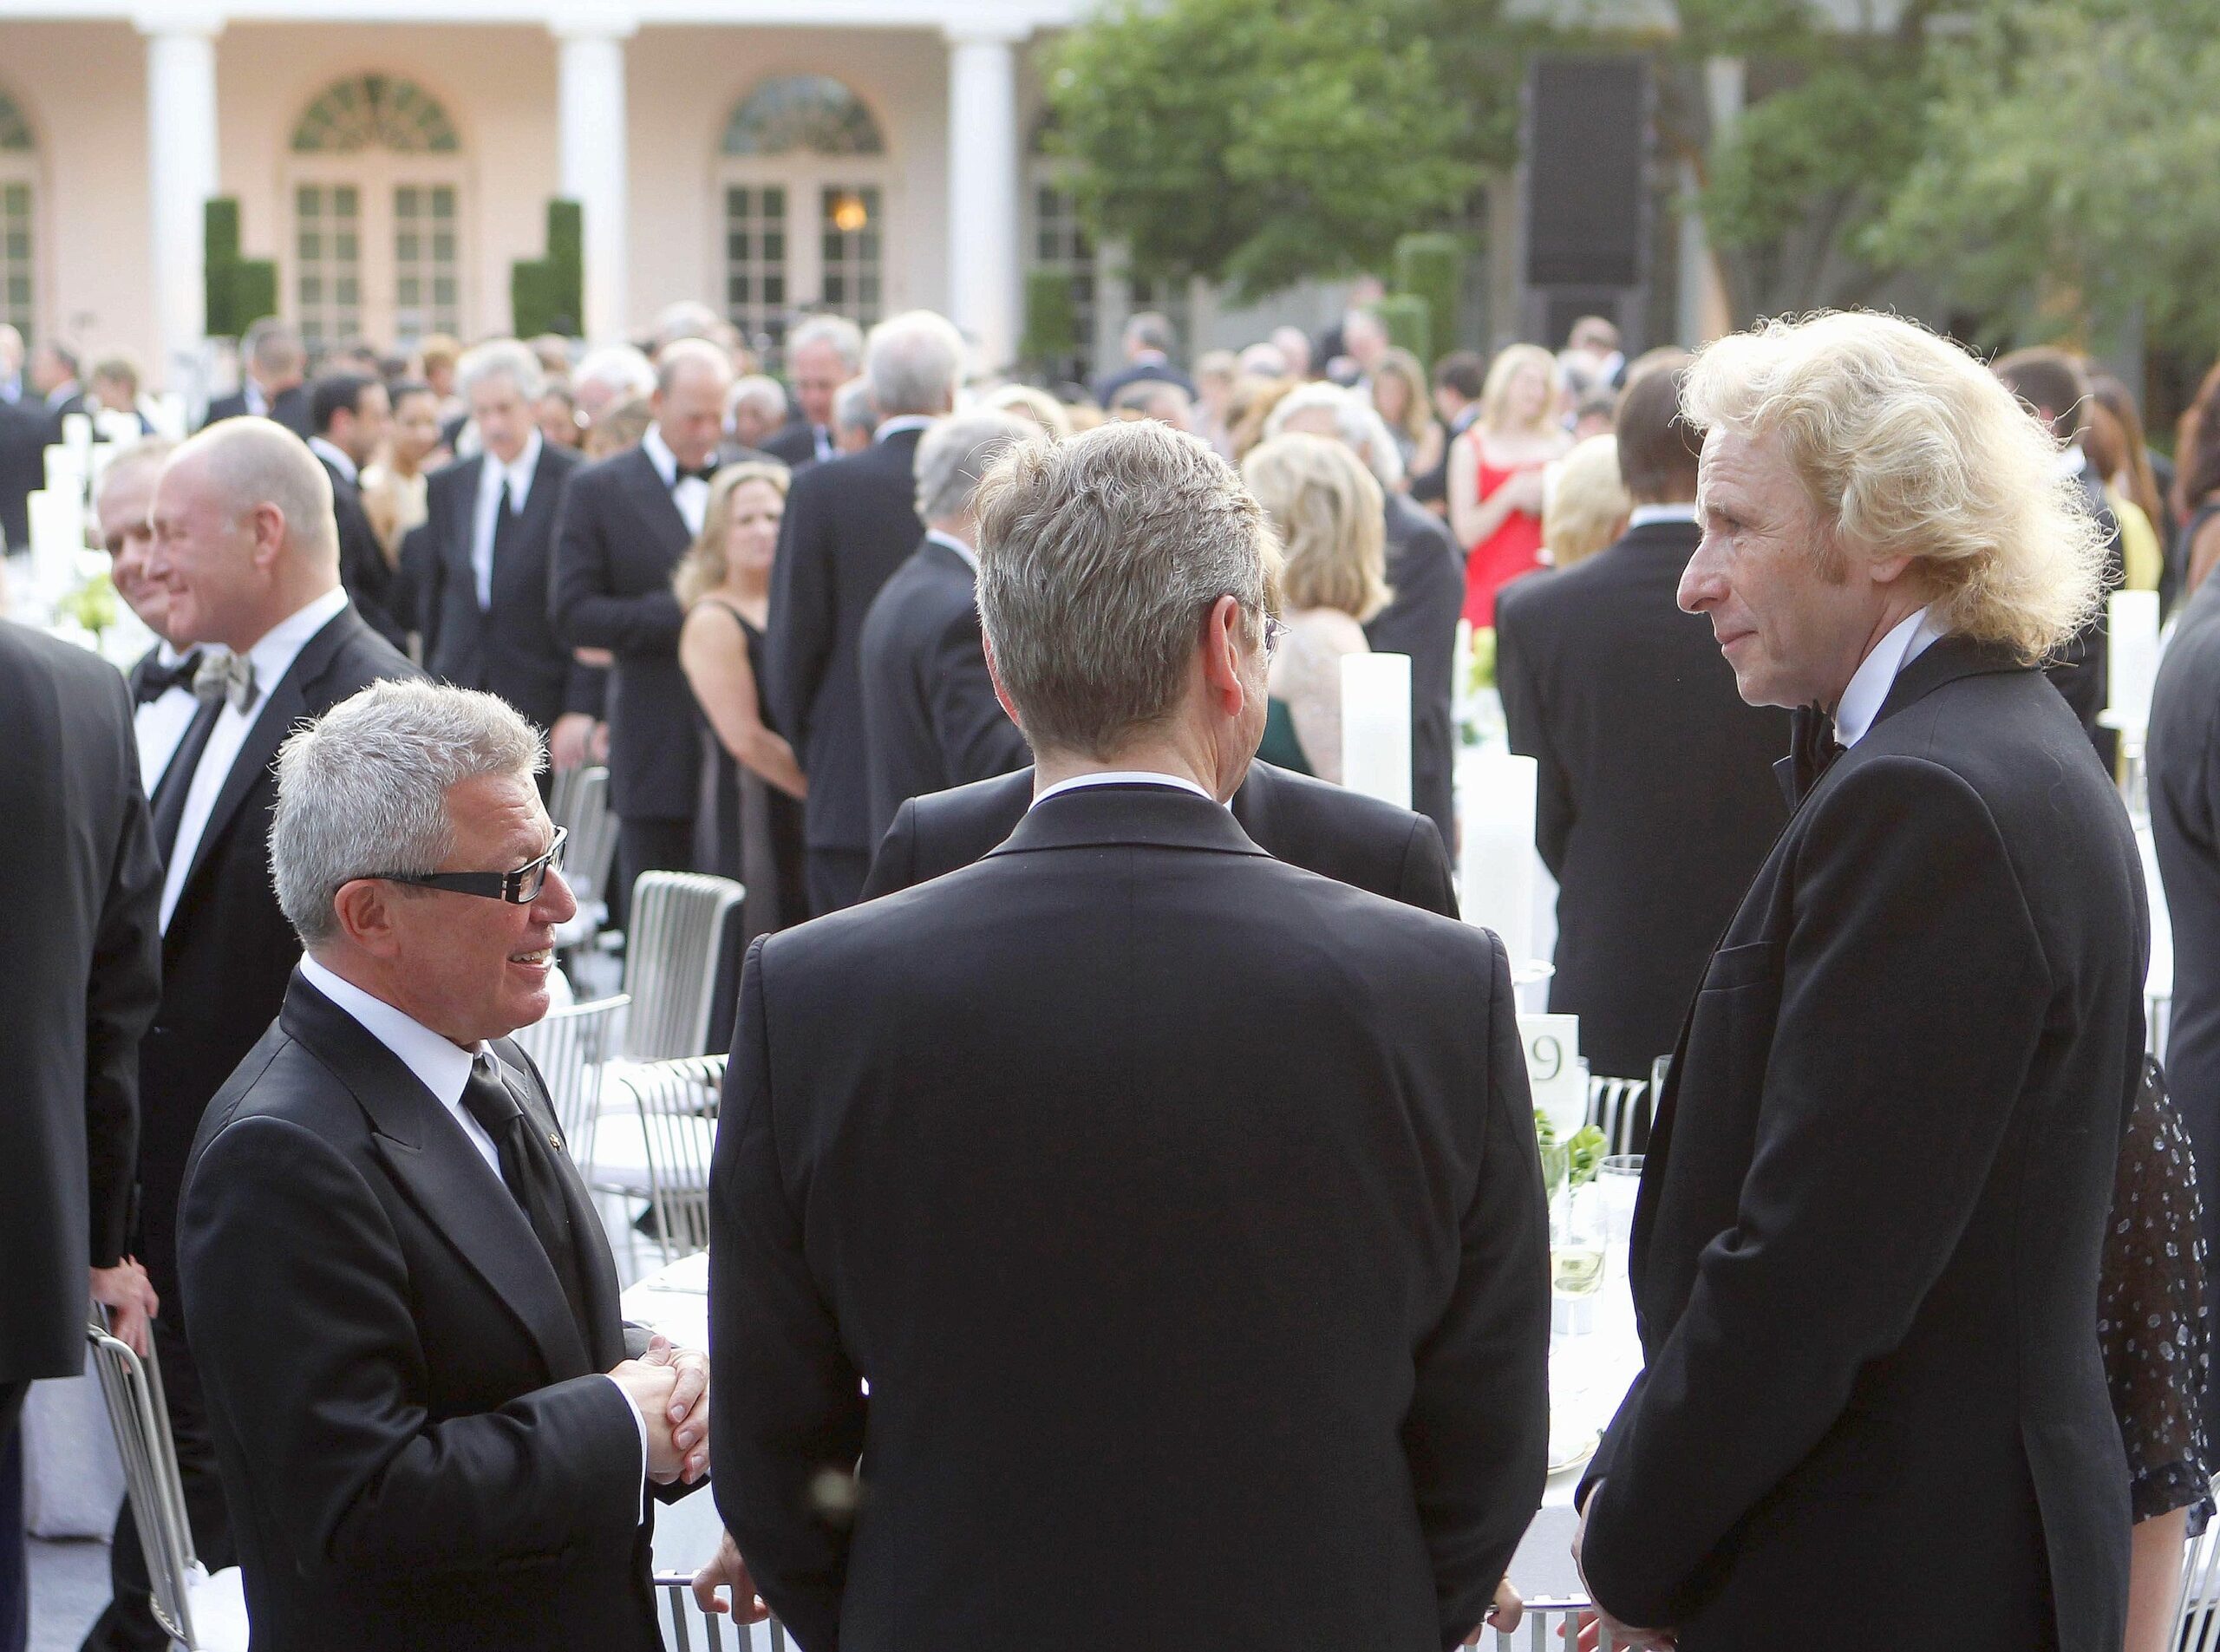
[[591, 97], [181, 177], [984, 158]]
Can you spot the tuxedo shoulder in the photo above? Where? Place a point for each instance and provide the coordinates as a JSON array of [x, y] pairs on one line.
[[456, 472], [283, 1081], [21, 648]]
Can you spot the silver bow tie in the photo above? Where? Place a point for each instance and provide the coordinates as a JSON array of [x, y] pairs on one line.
[[226, 676]]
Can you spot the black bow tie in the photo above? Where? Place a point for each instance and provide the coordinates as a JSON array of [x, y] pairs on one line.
[[1812, 747], [156, 679], [701, 473]]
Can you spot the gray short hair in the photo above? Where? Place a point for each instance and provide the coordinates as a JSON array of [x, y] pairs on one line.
[[1097, 559], [914, 361], [273, 345], [364, 789], [955, 453], [852, 408], [251, 462], [501, 358], [1357, 425], [620, 366], [1151, 331], [149, 453], [675, 357], [767, 396], [843, 335]]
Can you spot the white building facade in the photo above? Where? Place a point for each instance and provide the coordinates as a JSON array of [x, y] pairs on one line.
[[395, 157]]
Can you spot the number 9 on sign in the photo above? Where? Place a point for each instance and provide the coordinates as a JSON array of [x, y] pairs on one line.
[[1553, 1044]]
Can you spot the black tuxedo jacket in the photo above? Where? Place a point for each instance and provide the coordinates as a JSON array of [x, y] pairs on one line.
[[1657, 801], [1427, 576], [792, 445], [228, 951], [1180, 1208], [511, 648], [1865, 1254], [1345, 836], [363, 567], [617, 539], [850, 523], [2182, 764], [290, 409], [79, 977], [930, 718], [25, 435], [415, 1446]]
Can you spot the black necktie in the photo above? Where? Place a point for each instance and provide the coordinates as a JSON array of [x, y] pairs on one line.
[[1812, 745], [177, 779], [508, 522], [528, 1167], [156, 679]]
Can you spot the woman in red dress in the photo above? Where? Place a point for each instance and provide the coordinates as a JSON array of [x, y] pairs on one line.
[[1495, 476]]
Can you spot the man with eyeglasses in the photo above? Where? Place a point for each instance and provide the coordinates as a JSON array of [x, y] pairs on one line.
[[434, 1429]]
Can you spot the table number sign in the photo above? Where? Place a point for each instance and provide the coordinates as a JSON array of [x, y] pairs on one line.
[[1553, 1046]]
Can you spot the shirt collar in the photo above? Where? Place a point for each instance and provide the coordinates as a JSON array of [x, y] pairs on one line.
[[281, 644], [442, 1066], [333, 455], [1642, 515], [1121, 777], [900, 423], [256, 402], [969, 555], [1877, 674], [660, 455], [517, 477]]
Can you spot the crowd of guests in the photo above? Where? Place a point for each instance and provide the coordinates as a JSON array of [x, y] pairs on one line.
[[848, 633]]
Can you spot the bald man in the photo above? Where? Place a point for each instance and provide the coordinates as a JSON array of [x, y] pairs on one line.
[[246, 555]]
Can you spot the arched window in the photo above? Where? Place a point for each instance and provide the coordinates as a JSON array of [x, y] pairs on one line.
[[803, 185], [18, 219], [377, 181]]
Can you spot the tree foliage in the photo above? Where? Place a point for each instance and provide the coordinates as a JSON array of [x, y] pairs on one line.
[[1256, 142]]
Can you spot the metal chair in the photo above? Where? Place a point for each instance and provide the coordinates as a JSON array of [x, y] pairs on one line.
[[675, 1103], [200, 1612], [582, 804], [2196, 1620], [1546, 1618], [684, 1619], [570, 1045], [670, 961], [1620, 1109]]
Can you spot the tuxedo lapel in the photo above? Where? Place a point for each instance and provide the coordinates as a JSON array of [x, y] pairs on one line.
[[643, 485], [440, 1170]]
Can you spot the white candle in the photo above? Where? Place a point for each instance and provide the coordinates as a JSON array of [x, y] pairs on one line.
[[65, 470], [2131, 655], [1495, 811], [77, 431], [1376, 725], [57, 525], [169, 415]]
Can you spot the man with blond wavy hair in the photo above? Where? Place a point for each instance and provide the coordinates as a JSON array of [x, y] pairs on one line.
[[1866, 1254]]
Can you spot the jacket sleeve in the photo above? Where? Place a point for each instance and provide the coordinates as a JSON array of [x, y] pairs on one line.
[[1477, 1437], [124, 989], [424, 573], [1529, 728], [894, 864], [790, 1407], [1860, 1186], [798, 642], [976, 738], [300, 1310], [583, 601], [1428, 882]]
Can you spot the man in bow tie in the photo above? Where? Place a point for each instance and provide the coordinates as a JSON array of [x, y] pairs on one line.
[[246, 559], [1865, 1254], [624, 524], [161, 680]]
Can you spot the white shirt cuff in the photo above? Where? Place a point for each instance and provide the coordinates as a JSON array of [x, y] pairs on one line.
[[639, 1422]]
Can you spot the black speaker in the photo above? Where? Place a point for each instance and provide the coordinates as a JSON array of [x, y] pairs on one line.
[[1586, 144]]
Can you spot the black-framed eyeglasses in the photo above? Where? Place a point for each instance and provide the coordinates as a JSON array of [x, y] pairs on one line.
[[1276, 632], [519, 888]]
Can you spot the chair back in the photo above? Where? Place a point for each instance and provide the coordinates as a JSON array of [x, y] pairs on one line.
[[677, 1104], [592, 848], [2196, 1620], [132, 1389], [1620, 1109], [685, 1621], [570, 1045], [675, 935]]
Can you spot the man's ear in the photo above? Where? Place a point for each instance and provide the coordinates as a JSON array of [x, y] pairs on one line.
[[995, 676], [1223, 644], [364, 907]]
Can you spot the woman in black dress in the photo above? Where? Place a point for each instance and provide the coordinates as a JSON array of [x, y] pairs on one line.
[[749, 825]]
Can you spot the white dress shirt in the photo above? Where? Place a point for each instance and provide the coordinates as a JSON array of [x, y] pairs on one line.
[[1642, 515], [969, 555], [334, 455], [443, 1067], [161, 723], [497, 484], [258, 405], [900, 423], [691, 495], [1877, 674], [272, 658], [1121, 777]]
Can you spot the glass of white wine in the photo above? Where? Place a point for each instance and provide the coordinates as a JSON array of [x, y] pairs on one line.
[[1577, 1250]]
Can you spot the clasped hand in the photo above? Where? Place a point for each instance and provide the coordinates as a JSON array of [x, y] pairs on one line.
[[1625, 1637], [129, 1296], [670, 1385]]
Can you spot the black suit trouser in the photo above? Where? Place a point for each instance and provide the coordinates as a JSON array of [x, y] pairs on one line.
[[14, 1570], [647, 845], [127, 1624]]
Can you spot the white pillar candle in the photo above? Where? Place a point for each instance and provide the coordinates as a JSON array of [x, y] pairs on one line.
[[2131, 655], [57, 525], [78, 433], [1376, 725], [65, 470], [1495, 811]]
